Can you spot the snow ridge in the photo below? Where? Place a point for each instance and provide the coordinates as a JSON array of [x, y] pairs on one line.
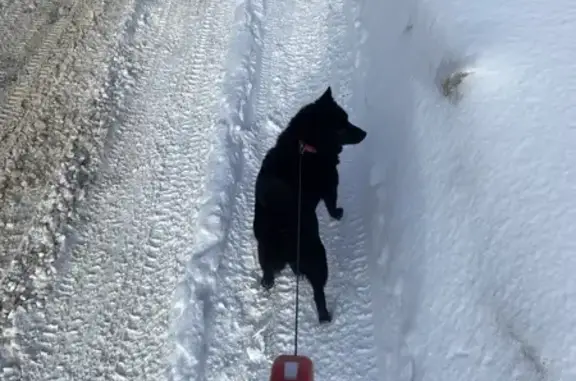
[[471, 189], [224, 229]]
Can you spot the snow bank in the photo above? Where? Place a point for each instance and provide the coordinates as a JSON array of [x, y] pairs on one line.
[[473, 188]]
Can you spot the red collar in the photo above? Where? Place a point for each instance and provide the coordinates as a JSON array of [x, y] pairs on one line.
[[306, 148]]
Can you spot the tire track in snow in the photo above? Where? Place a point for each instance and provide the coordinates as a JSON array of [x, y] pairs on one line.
[[81, 283], [16, 44], [18, 129], [284, 65], [111, 308], [38, 183], [24, 29], [54, 158], [33, 77]]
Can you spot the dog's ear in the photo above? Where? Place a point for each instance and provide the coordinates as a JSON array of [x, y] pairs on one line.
[[327, 96]]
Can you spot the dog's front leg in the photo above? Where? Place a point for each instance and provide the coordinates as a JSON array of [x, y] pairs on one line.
[[330, 200]]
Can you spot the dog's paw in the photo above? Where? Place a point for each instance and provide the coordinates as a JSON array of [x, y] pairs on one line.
[[337, 213], [325, 318], [267, 283]]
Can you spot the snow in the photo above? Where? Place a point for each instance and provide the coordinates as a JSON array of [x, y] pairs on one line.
[[108, 314], [51, 136], [453, 259], [474, 197]]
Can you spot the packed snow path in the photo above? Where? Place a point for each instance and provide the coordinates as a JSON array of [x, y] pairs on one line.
[[160, 204], [229, 328]]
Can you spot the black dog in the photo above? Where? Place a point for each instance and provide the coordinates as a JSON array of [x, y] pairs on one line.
[[305, 157]]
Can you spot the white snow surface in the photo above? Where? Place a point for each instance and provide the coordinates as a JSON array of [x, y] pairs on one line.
[[473, 200], [454, 260]]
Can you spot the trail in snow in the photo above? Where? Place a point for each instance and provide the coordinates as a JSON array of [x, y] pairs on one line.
[[285, 55], [108, 316]]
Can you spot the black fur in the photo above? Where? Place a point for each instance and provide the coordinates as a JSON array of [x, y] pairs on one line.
[[324, 126]]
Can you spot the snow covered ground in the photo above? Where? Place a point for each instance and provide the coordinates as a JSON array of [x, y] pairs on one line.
[[52, 64], [453, 261], [474, 198]]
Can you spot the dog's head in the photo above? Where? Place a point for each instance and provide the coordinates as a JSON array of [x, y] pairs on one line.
[[327, 128]]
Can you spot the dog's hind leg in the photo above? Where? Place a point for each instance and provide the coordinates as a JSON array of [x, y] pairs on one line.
[[320, 300], [268, 265], [317, 275]]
